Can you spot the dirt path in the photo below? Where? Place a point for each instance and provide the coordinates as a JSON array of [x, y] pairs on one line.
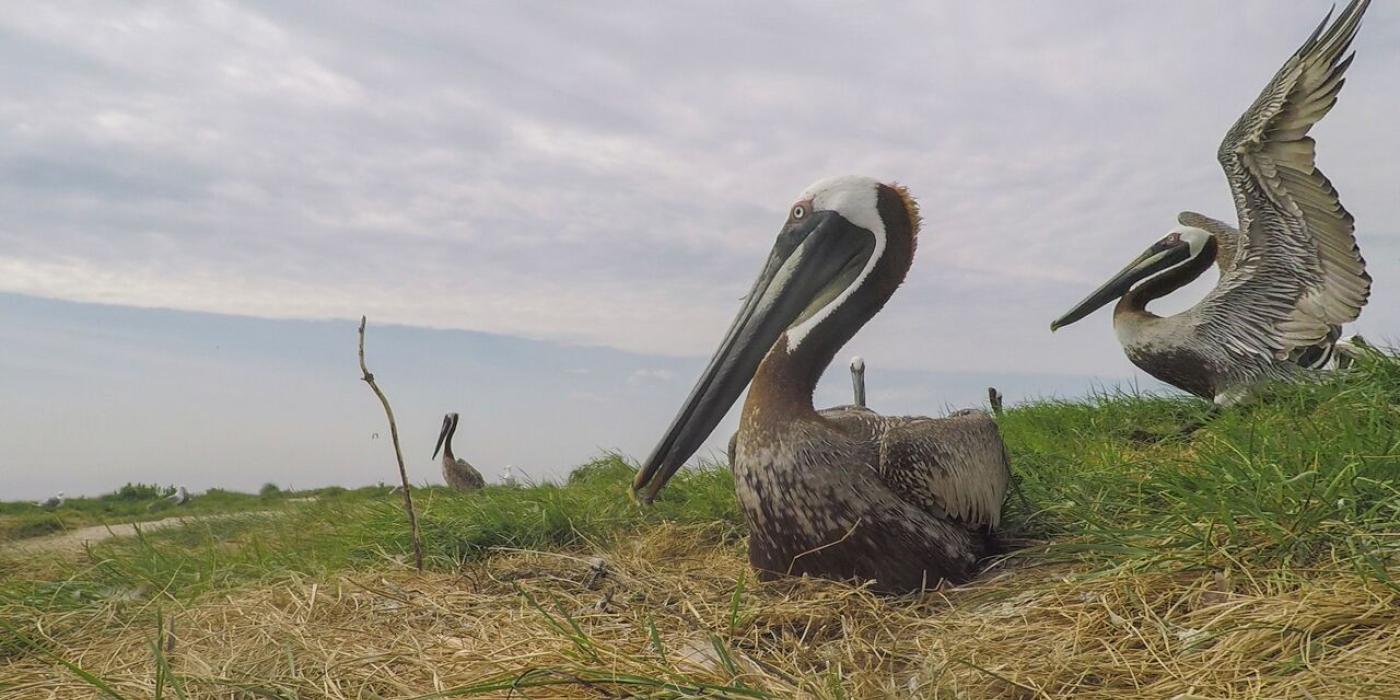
[[75, 539]]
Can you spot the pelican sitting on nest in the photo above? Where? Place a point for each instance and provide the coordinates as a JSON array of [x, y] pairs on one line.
[[456, 472], [1290, 276], [845, 493], [53, 502]]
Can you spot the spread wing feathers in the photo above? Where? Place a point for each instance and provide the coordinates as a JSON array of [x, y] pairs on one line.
[[956, 465], [1302, 274]]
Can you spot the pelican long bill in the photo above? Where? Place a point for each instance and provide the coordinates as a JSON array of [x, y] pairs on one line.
[[1155, 259], [814, 260], [442, 436]]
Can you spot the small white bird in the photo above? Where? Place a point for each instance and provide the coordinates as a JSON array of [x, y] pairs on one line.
[[179, 498], [54, 502], [508, 477]]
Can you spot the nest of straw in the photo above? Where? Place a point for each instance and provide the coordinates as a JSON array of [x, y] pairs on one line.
[[675, 612]]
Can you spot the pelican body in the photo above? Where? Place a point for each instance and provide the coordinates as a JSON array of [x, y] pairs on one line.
[[1290, 275], [843, 493], [456, 472]]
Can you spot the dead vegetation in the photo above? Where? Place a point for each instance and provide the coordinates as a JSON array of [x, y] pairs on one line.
[[674, 613]]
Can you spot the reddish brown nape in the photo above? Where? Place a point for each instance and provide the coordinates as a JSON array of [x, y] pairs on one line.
[[911, 206]]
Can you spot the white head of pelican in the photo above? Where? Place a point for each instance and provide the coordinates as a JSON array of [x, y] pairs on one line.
[[858, 381]]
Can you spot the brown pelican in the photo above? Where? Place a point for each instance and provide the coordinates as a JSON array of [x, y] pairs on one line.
[[858, 380], [457, 472], [843, 493], [53, 502], [1290, 276]]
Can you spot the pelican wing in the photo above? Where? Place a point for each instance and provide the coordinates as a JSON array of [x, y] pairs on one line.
[[956, 466], [1300, 275]]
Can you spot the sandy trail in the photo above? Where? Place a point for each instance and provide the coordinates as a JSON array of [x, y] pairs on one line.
[[74, 540]]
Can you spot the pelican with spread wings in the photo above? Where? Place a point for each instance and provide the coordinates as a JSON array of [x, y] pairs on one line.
[[1290, 276]]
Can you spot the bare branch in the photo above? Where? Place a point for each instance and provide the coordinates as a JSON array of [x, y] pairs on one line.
[[398, 453]]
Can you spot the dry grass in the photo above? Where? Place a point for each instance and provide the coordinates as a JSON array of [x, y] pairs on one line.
[[667, 619], [1255, 559]]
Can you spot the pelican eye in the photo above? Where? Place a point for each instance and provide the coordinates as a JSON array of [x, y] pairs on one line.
[[798, 212]]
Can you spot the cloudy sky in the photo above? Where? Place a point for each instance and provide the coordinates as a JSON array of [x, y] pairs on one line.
[[552, 209]]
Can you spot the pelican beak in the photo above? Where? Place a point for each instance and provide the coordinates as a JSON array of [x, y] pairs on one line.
[[812, 262], [858, 382], [1157, 258], [442, 435]]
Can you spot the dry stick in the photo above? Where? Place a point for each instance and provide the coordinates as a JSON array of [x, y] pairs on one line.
[[394, 434]]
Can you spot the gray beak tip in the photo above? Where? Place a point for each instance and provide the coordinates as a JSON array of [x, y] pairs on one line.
[[641, 495]]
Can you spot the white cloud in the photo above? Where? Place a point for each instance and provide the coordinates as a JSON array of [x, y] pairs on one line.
[[650, 376], [615, 177]]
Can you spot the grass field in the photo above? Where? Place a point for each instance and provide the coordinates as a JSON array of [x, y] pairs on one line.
[[1255, 558], [140, 503]]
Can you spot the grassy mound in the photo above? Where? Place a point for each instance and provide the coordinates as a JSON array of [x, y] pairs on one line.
[[136, 503], [1255, 557]]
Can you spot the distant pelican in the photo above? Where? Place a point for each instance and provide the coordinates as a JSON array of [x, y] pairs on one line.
[[994, 398], [858, 380], [53, 502], [508, 477], [1288, 280], [846, 493], [457, 472]]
